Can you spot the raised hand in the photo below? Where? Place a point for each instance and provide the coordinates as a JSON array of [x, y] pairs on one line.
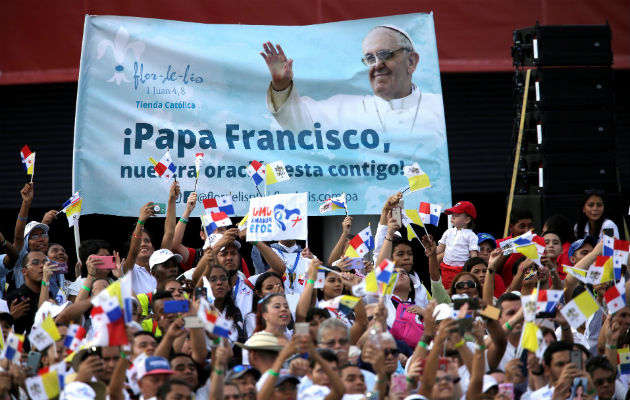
[[174, 191], [27, 193], [392, 201], [49, 217], [312, 268], [280, 67], [191, 202], [146, 211], [346, 225], [429, 245]]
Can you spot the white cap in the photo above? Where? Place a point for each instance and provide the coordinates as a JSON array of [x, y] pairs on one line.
[[401, 31], [488, 382], [77, 390], [32, 225], [443, 311], [214, 238], [163, 255]]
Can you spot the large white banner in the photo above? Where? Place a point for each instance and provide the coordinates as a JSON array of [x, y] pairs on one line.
[[147, 86]]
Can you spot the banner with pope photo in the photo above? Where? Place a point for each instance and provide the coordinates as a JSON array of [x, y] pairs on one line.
[[345, 106]]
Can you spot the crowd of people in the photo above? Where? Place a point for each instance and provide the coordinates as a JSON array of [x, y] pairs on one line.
[[422, 340]]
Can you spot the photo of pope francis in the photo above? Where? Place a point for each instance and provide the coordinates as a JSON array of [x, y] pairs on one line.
[[397, 105]]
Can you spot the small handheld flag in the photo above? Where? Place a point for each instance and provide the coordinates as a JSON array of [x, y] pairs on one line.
[[430, 213], [361, 244], [384, 271], [275, 172], [215, 220], [219, 204], [72, 208], [28, 161], [44, 386], [578, 310], [165, 167], [256, 171], [74, 338], [343, 303], [212, 321], [44, 334], [616, 297], [13, 347], [198, 160], [548, 300], [418, 180], [334, 203]]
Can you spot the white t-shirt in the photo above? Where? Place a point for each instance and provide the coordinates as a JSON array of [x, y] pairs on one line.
[[243, 294], [544, 393], [459, 243], [142, 281], [607, 224], [510, 353]]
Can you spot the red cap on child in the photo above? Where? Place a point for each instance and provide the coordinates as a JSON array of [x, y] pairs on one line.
[[462, 207]]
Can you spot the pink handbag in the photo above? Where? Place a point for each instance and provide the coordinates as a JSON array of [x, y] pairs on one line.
[[406, 327]]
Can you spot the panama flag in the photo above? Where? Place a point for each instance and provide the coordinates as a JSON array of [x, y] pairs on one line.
[[198, 160], [430, 213], [13, 347], [28, 160], [256, 171], [74, 338], [107, 333], [219, 204], [108, 305], [384, 271], [616, 297], [334, 203], [212, 321], [548, 300], [165, 168], [620, 256], [417, 178], [213, 221], [361, 244], [275, 172]]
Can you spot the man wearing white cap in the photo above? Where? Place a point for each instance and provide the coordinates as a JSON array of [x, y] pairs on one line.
[[164, 266], [397, 105]]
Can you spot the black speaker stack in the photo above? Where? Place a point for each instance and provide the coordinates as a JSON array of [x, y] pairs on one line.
[[568, 139]]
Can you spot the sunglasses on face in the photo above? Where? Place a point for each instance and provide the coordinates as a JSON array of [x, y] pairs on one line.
[[38, 236], [466, 284], [391, 352], [383, 55]]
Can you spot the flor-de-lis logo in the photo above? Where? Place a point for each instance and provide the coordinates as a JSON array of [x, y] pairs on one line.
[[119, 47]]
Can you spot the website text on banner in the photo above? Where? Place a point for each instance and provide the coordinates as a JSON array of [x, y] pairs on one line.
[[150, 89]]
